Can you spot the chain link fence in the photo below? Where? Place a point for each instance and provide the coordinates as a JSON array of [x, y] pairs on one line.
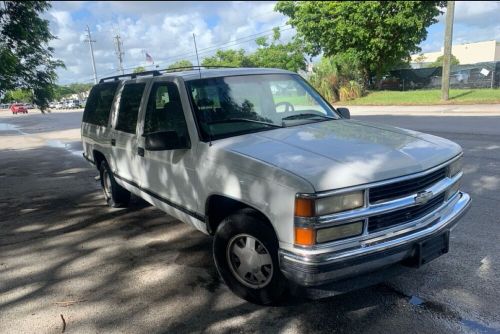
[[480, 75]]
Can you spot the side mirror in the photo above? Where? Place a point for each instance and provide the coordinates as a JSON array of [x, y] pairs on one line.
[[166, 140], [344, 112]]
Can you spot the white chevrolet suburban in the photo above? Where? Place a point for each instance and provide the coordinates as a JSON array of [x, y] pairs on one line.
[[295, 193]]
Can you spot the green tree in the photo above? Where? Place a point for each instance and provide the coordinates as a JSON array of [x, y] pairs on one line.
[[139, 69], [439, 62], [231, 58], [26, 59], [18, 95], [60, 92], [80, 87], [287, 56], [180, 63], [379, 33]]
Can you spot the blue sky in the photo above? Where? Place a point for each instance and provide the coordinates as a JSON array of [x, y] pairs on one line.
[[164, 30]]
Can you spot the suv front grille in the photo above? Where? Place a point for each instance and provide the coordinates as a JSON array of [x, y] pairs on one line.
[[407, 187], [390, 219]]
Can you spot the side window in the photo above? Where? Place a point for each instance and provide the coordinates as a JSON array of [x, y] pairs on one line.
[[164, 112], [99, 104], [130, 102]]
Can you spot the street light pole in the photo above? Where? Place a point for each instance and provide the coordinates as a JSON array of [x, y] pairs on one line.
[[448, 36], [89, 39]]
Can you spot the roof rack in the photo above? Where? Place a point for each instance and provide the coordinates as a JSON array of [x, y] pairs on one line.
[[157, 72]]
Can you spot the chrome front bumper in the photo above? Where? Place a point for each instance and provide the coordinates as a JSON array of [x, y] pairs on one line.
[[320, 268]]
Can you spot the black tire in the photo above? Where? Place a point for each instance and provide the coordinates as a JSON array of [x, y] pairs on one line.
[[116, 196], [249, 222]]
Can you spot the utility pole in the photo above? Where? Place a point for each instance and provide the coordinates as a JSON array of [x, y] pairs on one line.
[[448, 36], [197, 58], [90, 40], [119, 52]]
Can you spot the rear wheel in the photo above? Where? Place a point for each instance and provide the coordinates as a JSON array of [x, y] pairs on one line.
[[245, 251], [116, 196]]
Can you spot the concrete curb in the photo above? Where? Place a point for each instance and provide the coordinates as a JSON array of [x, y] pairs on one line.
[[436, 110]]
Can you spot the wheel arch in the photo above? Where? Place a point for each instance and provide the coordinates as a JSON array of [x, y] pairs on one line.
[[98, 158], [218, 207]]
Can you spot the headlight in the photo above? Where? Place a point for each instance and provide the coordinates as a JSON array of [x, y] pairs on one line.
[[339, 203], [309, 207], [339, 232], [455, 167]]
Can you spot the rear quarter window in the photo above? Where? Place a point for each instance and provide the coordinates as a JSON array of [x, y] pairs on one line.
[[99, 104], [130, 102]]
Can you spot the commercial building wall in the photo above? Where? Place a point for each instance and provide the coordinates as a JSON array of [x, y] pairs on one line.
[[470, 53]]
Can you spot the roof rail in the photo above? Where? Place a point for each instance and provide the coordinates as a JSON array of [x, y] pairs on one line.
[[195, 67], [158, 72], [130, 75]]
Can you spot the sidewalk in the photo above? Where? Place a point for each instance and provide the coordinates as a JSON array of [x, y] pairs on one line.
[[436, 110]]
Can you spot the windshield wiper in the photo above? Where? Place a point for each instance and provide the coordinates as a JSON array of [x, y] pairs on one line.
[[235, 120], [305, 115]]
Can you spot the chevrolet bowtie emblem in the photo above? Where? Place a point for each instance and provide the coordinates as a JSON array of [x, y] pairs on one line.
[[423, 197]]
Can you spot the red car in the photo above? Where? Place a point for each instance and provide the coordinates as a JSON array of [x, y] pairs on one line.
[[17, 108]]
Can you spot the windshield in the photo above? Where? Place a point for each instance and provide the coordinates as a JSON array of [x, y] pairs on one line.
[[231, 106]]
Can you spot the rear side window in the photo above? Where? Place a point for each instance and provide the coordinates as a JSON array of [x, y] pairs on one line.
[[99, 104], [130, 102]]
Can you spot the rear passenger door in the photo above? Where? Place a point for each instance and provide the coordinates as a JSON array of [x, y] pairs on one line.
[[124, 133], [167, 175]]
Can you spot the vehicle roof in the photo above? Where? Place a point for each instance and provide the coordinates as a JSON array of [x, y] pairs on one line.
[[202, 73]]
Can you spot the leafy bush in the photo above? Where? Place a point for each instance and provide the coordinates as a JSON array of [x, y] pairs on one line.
[[350, 91], [338, 78]]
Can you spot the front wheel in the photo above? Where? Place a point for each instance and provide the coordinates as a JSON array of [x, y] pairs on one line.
[[116, 196], [245, 250]]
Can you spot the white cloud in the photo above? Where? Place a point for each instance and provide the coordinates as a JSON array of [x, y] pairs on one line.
[[474, 21], [477, 13], [164, 29]]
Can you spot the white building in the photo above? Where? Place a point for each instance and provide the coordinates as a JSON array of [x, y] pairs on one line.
[[469, 53]]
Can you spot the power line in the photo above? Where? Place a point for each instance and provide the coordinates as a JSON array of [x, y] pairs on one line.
[[203, 51], [244, 37], [206, 52], [249, 38]]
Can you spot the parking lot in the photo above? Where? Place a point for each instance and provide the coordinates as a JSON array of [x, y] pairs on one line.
[[65, 255]]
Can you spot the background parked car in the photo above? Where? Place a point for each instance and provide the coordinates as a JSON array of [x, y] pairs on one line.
[[17, 108], [72, 104]]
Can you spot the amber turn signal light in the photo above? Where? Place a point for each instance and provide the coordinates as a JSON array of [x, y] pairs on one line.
[[304, 207], [304, 236]]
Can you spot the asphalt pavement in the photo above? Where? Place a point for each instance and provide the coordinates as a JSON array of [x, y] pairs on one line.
[[67, 261]]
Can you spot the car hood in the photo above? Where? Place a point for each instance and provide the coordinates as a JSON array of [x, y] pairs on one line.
[[342, 153]]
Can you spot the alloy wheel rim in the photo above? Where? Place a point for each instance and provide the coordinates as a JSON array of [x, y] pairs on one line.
[[249, 261]]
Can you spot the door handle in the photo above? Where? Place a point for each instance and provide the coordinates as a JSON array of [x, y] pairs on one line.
[[140, 151], [113, 142]]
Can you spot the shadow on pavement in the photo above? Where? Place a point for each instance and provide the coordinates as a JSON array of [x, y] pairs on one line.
[[62, 251]]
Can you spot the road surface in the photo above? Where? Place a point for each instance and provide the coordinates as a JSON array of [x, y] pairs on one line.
[[64, 254]]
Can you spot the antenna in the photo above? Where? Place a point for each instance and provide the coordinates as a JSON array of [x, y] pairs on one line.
[[196, 50]]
